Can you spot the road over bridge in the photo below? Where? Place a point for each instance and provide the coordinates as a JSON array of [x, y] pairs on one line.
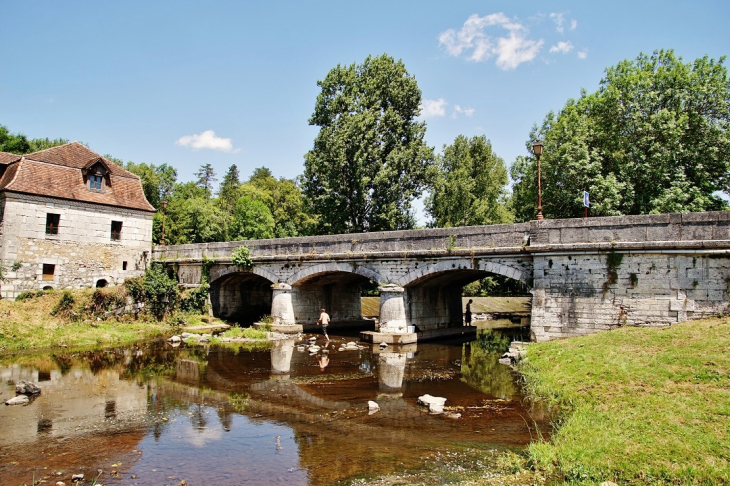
[[585, 274]]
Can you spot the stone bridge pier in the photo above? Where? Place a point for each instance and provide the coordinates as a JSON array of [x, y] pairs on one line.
[[585, 275]]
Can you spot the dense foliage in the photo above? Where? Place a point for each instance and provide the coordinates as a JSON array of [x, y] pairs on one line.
[[653, 139], [17, 143], [369, 160], [470, 185]]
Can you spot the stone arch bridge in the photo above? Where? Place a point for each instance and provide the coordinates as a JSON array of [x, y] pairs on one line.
[[585, 274]]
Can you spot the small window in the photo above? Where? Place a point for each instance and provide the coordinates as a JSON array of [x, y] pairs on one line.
[[124, 265], [52, 221], [48, 271], [95, 182], [116, 230]]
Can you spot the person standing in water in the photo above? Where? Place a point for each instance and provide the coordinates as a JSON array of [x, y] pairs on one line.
[[467, 314], [324, 321]]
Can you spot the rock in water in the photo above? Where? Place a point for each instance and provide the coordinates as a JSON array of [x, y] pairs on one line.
[[19, 400], [77, 477], [27, 388], [373, 407], [434, 404], [383, 345], [174, 339]]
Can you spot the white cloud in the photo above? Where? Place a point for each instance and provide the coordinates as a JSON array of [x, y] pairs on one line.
[[562, 47], [573, 24], [510, 51], [206, 140], [583, 54], [433, 108], [559, 20], [463, 111]]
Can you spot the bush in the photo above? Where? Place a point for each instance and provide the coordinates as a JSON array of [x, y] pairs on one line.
[[195, 299], [64, 305], [155, 289], [25, 295], [241, 258], [104, 300]]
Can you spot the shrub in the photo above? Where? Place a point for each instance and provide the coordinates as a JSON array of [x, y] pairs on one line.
[[64, 305], [195, 299], [25, 295], [103, 300], [156, 289], [16, 266], [241, 258]]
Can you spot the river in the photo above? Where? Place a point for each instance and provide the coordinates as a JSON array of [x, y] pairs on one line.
[[153, 414]]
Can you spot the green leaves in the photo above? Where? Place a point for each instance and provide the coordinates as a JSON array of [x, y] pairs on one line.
[[653, 139], [369, 160], [469, 185]]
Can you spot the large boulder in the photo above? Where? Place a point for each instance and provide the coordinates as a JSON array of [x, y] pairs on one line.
[[27, 388]]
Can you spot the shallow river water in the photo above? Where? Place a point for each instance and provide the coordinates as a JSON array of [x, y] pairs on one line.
[[152, 414]]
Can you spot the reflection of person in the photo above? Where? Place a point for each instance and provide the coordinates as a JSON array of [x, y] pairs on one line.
[[467, 314], [324, 321], [323, 360]]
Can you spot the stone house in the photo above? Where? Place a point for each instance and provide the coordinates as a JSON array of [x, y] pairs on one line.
[[69, 218]]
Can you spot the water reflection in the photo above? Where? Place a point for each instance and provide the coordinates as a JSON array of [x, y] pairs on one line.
[[260, 416]]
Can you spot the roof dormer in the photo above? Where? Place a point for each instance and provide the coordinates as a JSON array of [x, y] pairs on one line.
[[96, 175]]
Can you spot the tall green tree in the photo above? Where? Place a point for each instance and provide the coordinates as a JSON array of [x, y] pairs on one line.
[[369, 160], [206, 178], [653, 139], [230, 189], [470, 185], [157, 181]]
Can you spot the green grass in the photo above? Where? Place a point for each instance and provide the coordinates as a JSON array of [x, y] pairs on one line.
[[244, 332], [636, 406], [29, 325]]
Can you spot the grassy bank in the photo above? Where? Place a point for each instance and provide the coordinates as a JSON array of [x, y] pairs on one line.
[[30, 325], [636, 406]]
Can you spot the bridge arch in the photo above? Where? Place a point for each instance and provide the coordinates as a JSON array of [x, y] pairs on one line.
[[239, 295], [463, 266], [335, 267], [433, 293]]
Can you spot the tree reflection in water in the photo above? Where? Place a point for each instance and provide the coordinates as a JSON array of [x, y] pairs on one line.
[[480, 366]]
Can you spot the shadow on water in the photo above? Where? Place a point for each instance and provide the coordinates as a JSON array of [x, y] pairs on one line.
[[153, 414]]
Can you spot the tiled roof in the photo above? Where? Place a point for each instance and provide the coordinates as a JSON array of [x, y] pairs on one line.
[[76, 155], [6, 158], [56, 172]]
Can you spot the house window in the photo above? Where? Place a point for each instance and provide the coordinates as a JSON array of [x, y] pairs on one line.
[[95, 182], [116, 230], [52, 221], [48, 271], [124, 265]]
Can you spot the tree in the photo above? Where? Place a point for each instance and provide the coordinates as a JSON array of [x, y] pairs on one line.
[[252, 220], [369, 160], [653, 139], [469, 188], [157, 181], [206, 178], [19, 143], [230, 190]]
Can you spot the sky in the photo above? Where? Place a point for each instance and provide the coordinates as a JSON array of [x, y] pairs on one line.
[[189, 83]]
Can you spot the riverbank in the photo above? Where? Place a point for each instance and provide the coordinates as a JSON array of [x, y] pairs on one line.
[[635, 405], [31, 325]]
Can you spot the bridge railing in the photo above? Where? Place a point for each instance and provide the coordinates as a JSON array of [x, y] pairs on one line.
[[707, 229]]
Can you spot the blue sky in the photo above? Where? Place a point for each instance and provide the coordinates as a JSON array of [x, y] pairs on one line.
[[189, 83]]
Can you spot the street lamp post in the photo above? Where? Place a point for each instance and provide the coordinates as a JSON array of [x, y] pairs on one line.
[[164, 206], [537, 150]]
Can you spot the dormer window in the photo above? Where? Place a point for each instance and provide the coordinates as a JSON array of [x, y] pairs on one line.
[[95, 182]]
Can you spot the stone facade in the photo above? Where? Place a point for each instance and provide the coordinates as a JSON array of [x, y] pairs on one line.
[[82, 252]]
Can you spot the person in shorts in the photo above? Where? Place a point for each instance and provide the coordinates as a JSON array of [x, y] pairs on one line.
[[324, 321]]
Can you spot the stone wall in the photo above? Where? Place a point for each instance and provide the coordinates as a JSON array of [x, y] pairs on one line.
[[584, 293], [83, 251]]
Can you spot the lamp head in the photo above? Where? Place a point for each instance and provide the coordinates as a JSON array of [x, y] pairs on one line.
[[537, 148]]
